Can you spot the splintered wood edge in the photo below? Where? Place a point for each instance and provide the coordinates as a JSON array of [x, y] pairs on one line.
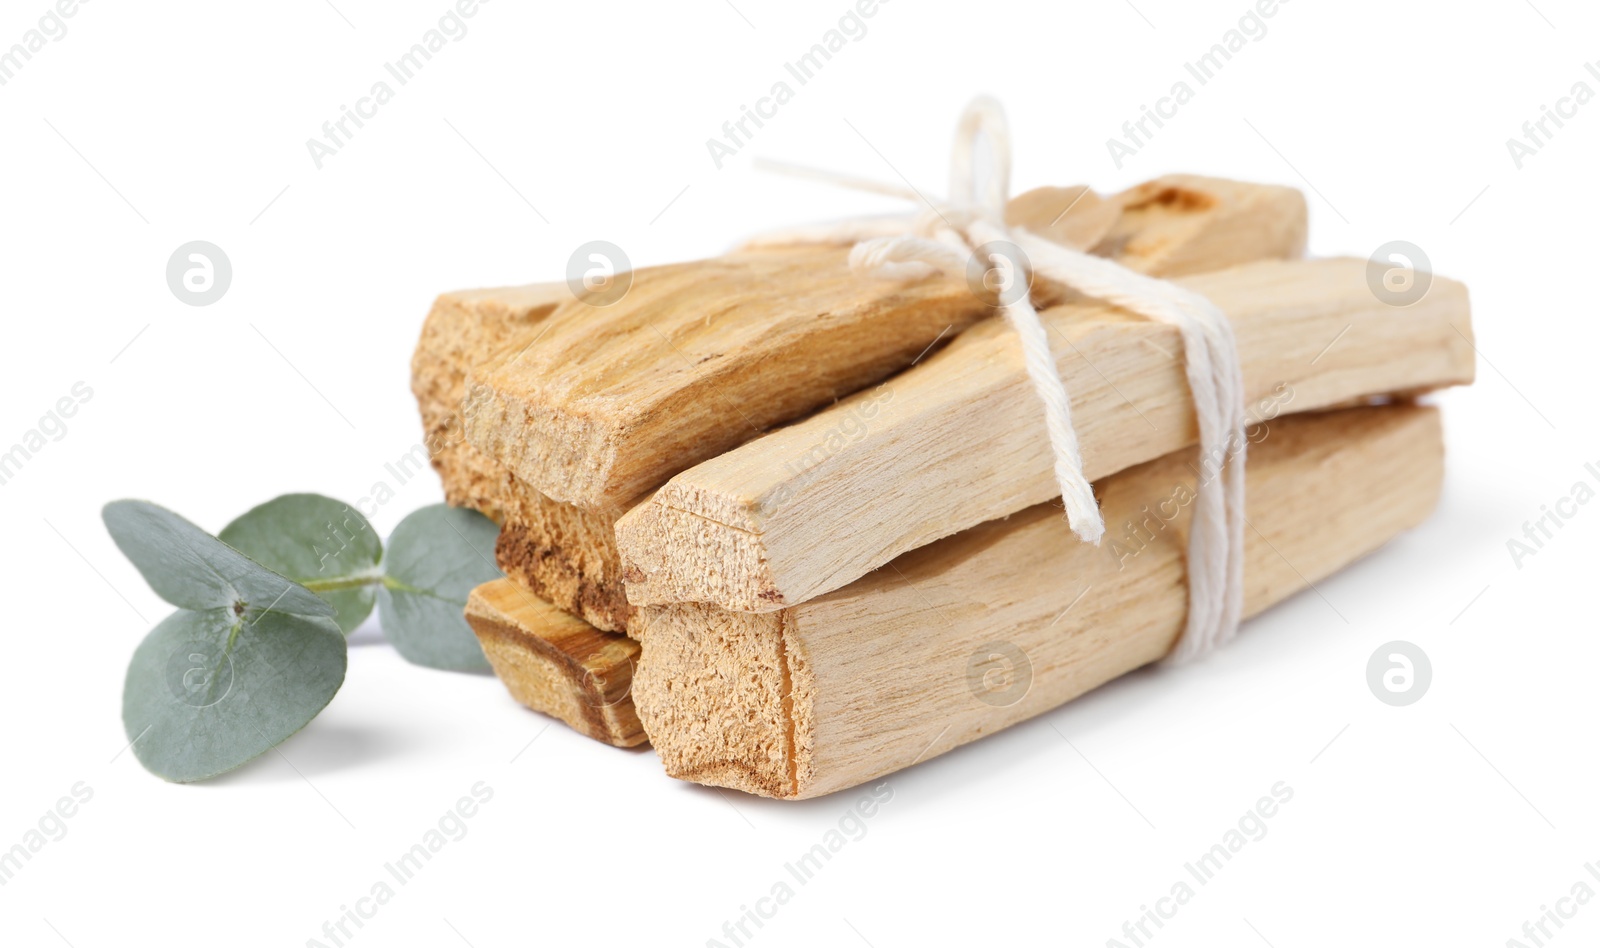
[[557, 664], [869, 679]]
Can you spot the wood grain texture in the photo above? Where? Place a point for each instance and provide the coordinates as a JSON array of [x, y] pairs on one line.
[[960, 439], [915, 659], [567, 554], [557, 551], [564, 554], [464, 329], [557, 664], [697, 358]]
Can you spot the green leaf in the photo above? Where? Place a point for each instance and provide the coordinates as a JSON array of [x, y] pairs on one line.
[[208, 691], [436, 556], [319, 542], [189, 567]]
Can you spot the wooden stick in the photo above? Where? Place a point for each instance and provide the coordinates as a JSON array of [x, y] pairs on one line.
[[1012, 618], [568, 554], [960, 439], [464, 329], [1182, 224], [558, 664], [698, 358], [559, 552]]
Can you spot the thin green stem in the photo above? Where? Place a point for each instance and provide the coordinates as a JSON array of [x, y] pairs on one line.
[[359, 580], [345, 582], [390, 582]]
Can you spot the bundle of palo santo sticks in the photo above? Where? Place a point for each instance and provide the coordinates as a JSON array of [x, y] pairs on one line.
[[798, 528]]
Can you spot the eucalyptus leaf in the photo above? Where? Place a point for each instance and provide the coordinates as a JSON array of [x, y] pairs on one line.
[[209, 690], [193, 569], [321, 543], [435, 558]]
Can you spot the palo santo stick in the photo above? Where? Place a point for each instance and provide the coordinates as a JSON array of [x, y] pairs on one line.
[[1182, 224], [560, 552], [697, 358], [899, 666], [465, 329], [558, 664], [960, 439], [568, 555]]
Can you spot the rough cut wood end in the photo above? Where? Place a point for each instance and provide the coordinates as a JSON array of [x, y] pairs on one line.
[[464, 329], [565, 555], [727, 698]]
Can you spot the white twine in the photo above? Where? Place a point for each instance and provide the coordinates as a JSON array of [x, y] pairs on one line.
[[945, 238]]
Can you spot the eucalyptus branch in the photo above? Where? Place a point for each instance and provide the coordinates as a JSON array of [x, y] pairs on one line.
[[309, 569]]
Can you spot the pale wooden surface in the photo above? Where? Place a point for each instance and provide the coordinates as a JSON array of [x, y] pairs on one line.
[[557, 664], [1073, 217], [697, 358], [1181, 224], [874, 677], [960, 439], [559, 552], [567, 554], [464, 329]]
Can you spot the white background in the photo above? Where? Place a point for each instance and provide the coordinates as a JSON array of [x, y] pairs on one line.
[[1451, 821]]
